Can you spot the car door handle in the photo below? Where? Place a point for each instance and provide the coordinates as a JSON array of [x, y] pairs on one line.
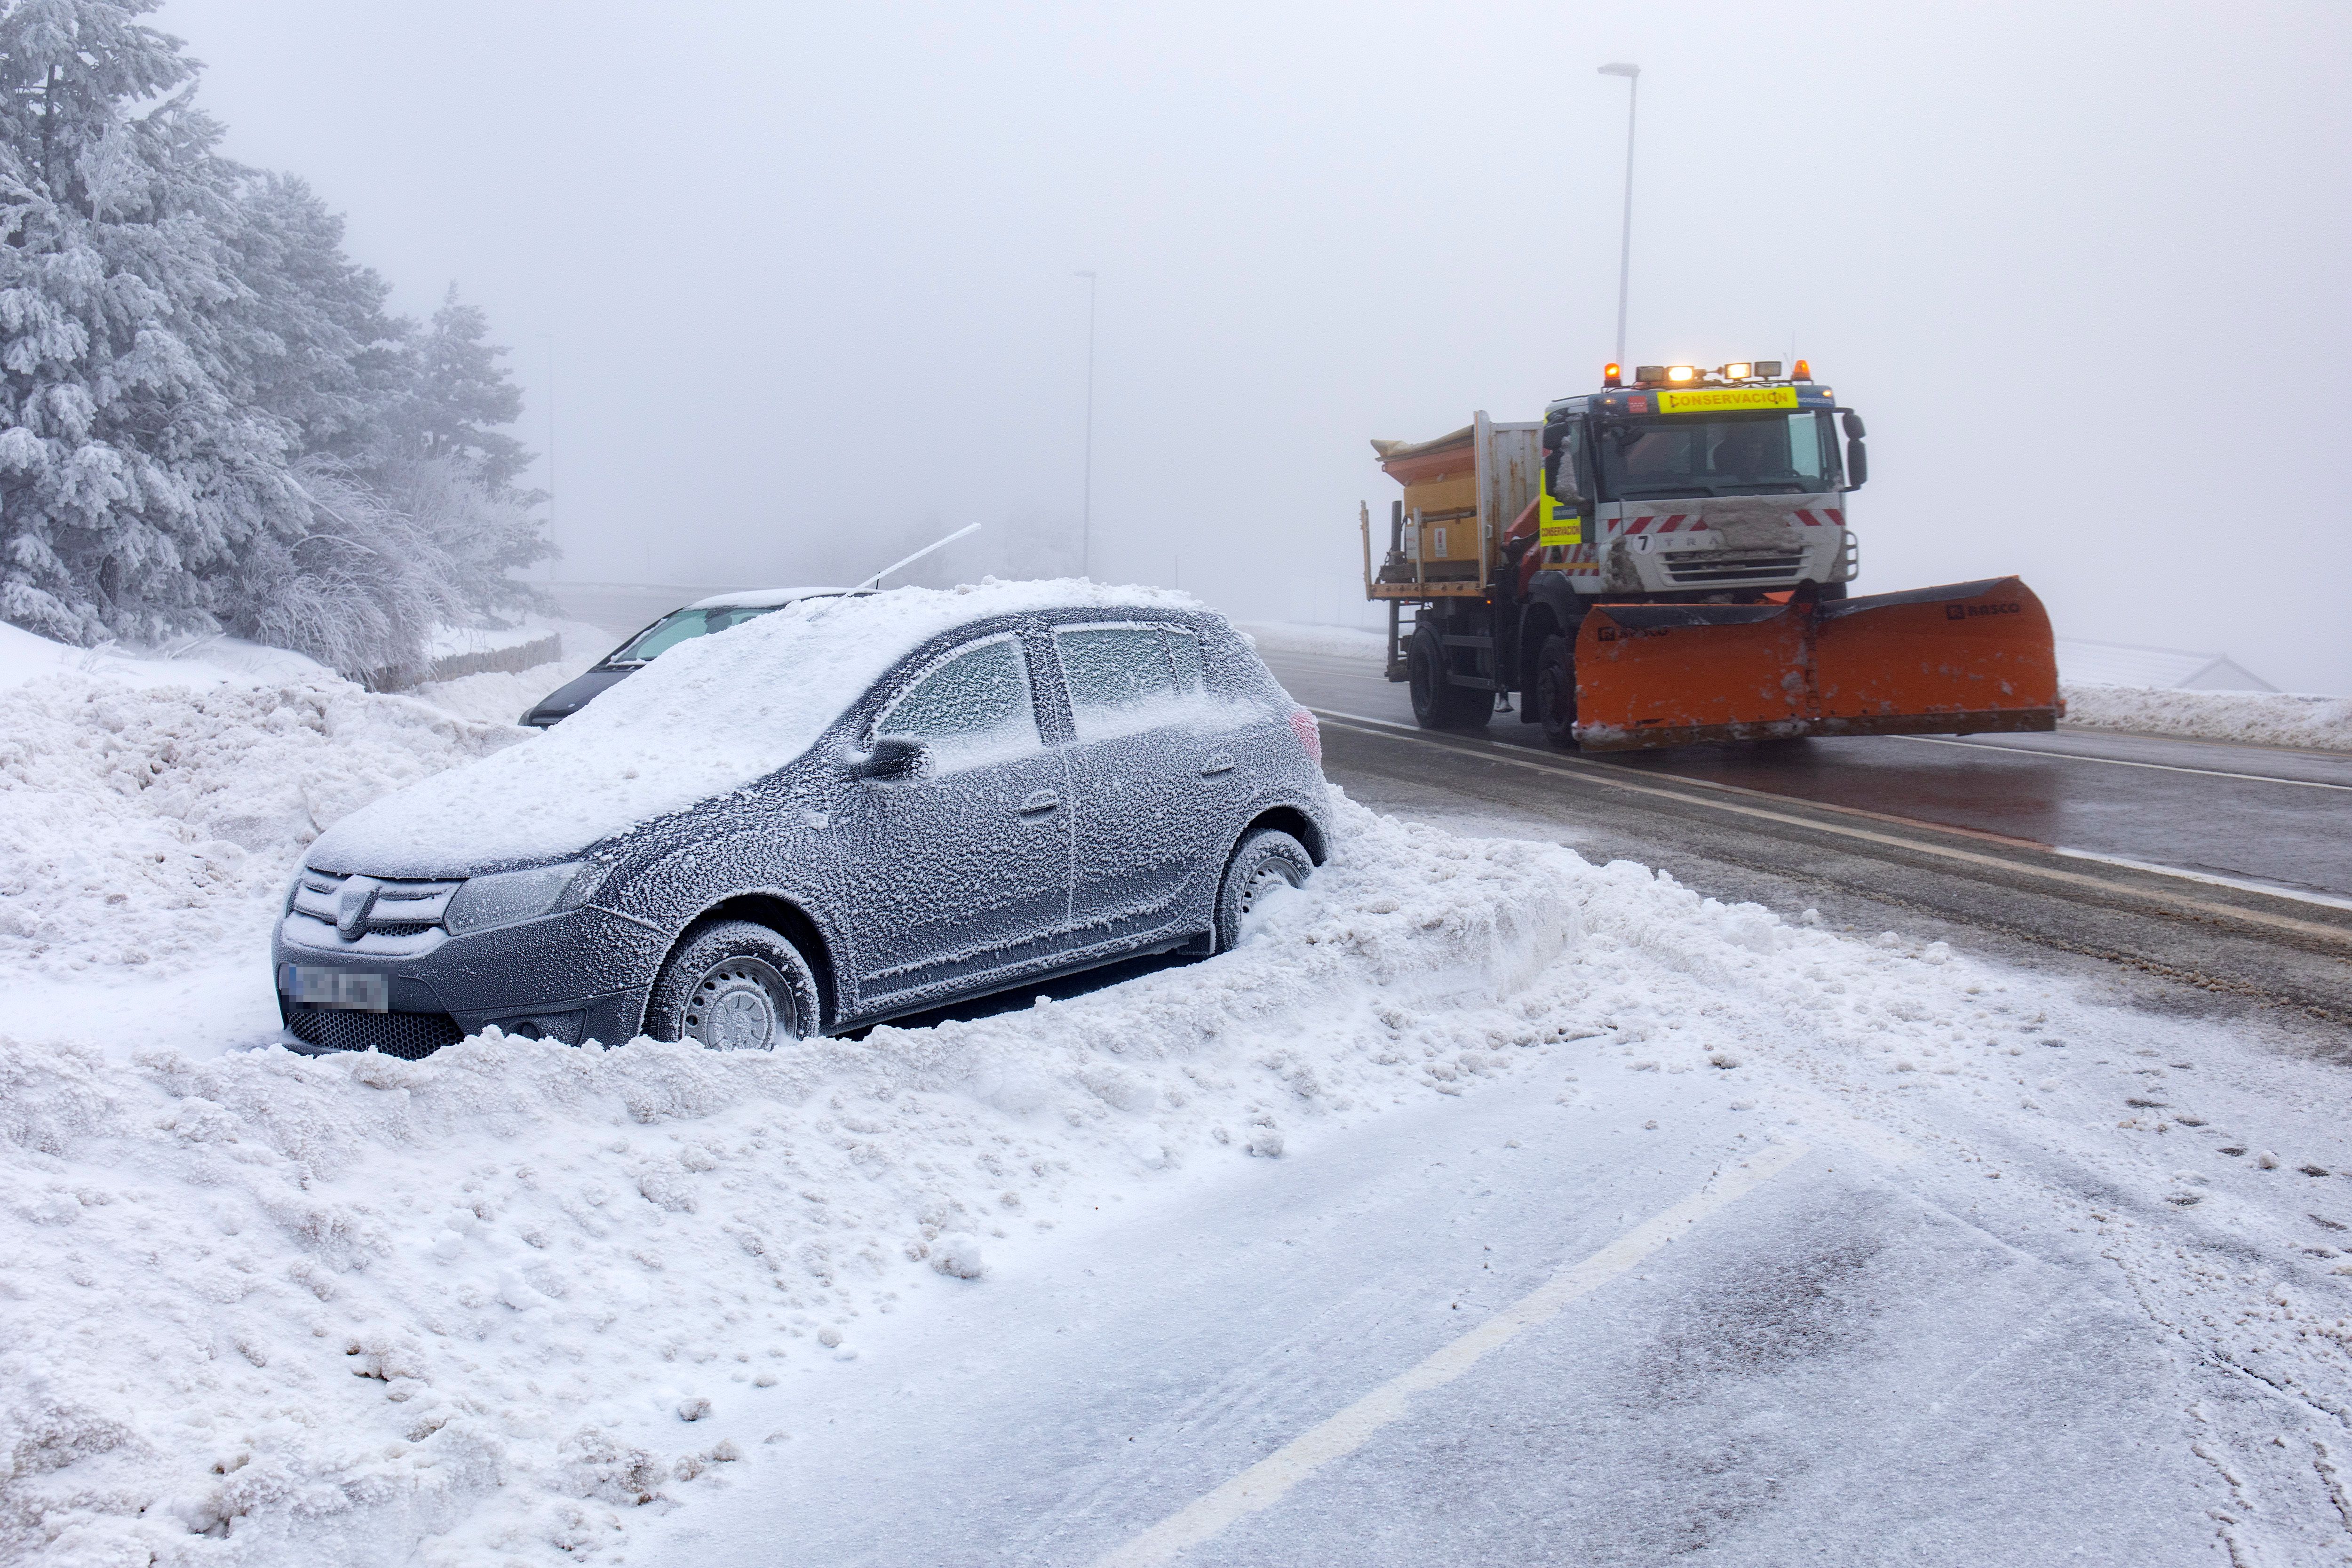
[[1037, 804], [1220, 763]]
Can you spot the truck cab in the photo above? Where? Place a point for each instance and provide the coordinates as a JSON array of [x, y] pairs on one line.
[[1695, 485]]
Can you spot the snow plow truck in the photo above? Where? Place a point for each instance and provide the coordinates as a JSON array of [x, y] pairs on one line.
[[1667, 561]]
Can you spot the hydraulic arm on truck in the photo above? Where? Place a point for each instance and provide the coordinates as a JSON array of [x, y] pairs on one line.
[[1667, 561]]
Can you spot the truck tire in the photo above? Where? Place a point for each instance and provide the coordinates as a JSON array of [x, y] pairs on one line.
[[1437, 702], [1555, 695], [732, 985]]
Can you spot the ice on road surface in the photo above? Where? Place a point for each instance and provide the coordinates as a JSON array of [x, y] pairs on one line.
[[2043, 1280]]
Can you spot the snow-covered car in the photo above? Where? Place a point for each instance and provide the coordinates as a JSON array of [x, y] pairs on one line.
[[704, 616], [849, 810]]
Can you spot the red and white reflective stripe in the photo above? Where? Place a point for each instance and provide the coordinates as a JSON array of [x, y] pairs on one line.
[[1684, 522]]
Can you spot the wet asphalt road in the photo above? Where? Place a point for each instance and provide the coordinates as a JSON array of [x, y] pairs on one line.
[[2008, 844]]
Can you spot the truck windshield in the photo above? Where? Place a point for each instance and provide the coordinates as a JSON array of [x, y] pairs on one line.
[[1732, 455], [679, 624]]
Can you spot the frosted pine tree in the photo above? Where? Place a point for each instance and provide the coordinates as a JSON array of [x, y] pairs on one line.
[[131, 474]]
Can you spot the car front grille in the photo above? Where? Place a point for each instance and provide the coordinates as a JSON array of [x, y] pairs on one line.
[[1718, 566], [403, 918], [408, 1036]]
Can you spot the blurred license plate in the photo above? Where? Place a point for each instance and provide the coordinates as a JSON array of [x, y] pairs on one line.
[[345, 988]]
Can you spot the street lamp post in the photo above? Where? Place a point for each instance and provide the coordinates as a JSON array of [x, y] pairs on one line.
[[1086, 504], [1632, 75]]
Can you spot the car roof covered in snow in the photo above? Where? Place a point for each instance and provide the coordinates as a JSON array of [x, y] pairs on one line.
[[762, 599], [709, 716]]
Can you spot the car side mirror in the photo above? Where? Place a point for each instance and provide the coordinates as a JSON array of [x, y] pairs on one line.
[[893, 757], [1857, 464]]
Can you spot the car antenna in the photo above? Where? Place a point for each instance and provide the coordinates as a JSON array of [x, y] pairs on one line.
[[875, 581]]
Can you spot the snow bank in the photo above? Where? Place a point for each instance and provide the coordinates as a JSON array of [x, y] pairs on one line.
[[330, 1307], [711, 715], [143, 826], [197, 661], [2263, 718]]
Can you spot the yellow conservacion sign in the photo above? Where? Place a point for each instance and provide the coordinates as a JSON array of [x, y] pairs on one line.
[[1726, 399]]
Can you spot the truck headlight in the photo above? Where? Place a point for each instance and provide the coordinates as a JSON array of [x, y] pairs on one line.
[[505, 898]]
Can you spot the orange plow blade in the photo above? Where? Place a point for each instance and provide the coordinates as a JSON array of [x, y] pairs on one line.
[[1963, 658]]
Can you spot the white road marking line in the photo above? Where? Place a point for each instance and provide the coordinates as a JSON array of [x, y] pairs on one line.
[[2119, 761], [1589, 773], [2245, 884], [1271, 1478]]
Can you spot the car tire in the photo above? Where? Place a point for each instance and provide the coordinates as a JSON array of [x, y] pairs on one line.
[[732, 985], [1555, 696], [1437, 702], [1258, 861]]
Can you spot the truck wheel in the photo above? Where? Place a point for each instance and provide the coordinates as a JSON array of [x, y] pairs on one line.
[[1437, 702], [1265, 859], [733, 986], [1555, 696]]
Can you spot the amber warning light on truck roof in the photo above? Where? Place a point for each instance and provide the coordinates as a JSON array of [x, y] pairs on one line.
[[1613, 375]]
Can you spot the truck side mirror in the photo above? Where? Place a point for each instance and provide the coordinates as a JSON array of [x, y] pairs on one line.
[[1852, 422], [1560, 478], [893, 757], [1857, 462]]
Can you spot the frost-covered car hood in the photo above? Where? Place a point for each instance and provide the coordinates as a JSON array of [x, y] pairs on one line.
[[711, 715]]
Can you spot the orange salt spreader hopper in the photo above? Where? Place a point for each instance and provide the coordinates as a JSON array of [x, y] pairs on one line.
[[1961, 659]]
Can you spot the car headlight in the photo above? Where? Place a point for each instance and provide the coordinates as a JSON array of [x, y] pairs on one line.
[[505, 898]]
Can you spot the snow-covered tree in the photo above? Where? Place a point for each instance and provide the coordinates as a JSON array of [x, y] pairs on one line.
[[461, 395], [129, 472], [207, 418]]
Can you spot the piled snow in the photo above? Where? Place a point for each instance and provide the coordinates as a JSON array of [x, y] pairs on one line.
[[350, 1298], [711, 715], [198, 661], [143, 826], [2262, 718], [1331, 642]]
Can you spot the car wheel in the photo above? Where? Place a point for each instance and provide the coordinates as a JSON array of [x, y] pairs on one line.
[[1437, 702], [1555, 691], [1261, 861], [732, 985]]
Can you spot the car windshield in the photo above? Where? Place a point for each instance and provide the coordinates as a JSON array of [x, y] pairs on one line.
[[679, 624], [1732, 455]]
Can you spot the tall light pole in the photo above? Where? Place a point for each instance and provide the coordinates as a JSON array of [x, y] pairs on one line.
[[1087, 506], [1632, 75]]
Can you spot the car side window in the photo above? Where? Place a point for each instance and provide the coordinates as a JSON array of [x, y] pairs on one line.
[[972, 708], [1120, 678], [1184, 652]]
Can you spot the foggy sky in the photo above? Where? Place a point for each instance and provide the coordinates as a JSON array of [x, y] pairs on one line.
[[799, 277]]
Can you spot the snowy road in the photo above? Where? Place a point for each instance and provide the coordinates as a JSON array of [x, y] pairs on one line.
[[2232, 886], [1873, 1356], [2257, 813]]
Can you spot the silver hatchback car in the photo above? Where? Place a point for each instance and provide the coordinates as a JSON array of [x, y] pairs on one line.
[[851, 810]]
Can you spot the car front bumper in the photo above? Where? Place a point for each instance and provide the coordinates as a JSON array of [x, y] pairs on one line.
[[577, 977]]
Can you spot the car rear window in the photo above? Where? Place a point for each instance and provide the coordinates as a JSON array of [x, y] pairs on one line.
[[1125, 678]]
